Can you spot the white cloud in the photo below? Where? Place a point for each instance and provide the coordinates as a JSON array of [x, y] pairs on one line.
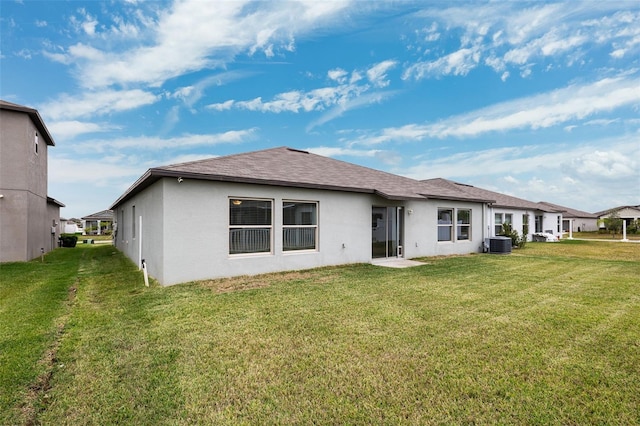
[[330, 151], [459, 62], [223, 106], [500, 34], [377, 74], [588, 176], [70, 129], [193, 35], [606, 165], [158, 143], [575, 102], [96, 103]]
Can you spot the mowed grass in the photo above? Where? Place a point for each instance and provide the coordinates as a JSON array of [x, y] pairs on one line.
[[547, 335]]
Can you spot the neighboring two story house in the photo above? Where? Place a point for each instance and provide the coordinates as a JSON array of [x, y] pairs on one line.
[[29, 218]]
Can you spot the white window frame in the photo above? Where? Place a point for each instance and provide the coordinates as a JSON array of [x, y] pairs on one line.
[[315, 227], [459, 225], [35, 140], [444, 225], [236, 227]]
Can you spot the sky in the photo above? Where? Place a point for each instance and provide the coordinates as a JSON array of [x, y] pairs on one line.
[[539, 100]]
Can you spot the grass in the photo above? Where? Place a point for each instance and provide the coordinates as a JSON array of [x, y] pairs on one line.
[[603, 236], [547, 335]]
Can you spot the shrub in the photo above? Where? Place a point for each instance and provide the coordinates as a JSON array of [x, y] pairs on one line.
[[516, 240], [68, 240]]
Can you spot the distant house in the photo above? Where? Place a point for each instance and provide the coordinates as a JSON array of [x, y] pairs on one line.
[[525, 217], [285, 209], [100, 223], [626, 213], [575, 220], [71, 226], [29, 218]]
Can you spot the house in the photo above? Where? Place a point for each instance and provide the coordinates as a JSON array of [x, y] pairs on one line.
[[285, 209], [100, 223], [29, 218], [525, 217], [575, 220], [71, 226], [627, 213]]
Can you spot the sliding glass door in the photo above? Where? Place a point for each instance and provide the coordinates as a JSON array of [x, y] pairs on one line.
[[386, 232]]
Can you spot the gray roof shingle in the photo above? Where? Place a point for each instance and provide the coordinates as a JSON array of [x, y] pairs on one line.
[[295, 168], [500, 200]]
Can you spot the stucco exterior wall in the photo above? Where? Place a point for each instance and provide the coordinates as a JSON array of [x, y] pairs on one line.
[[144, 241], [421, 229], [173, 256], [25, 226]]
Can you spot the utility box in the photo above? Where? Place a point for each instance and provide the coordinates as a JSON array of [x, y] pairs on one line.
[[499, 245]]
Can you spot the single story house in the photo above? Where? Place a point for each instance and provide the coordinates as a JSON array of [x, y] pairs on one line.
[[100, 223], [626, 213], [525, 217], [575, 220], [285, 209]]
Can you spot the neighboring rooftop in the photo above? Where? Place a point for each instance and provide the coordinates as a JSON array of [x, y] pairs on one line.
[[102, 215], [569, 213], [295, 168]]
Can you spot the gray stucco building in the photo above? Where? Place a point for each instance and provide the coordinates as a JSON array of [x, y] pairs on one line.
[[29, 218]]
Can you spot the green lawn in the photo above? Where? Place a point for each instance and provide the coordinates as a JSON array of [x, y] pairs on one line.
[[547, 335]]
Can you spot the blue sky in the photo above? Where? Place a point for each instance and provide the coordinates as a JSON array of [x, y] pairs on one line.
[[534, 99]]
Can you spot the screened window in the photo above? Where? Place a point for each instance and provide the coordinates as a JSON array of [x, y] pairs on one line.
[[299, 225], [133, 222], [250, 225], [445, 224], [464, 224]]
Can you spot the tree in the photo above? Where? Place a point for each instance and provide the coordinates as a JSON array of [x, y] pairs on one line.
[[613, 223]]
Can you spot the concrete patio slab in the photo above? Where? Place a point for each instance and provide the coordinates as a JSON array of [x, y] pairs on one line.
[[396, 263]]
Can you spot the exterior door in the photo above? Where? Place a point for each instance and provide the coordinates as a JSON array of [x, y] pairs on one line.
[[386, 232]]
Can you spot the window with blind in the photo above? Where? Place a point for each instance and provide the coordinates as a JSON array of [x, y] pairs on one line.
[[463, 224], [445, 224], [299, 225], [250, 226]]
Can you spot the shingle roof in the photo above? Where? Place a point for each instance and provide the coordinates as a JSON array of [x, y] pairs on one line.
[[35, 117], [500, 200], [568, 212], [103, 215], [615, 209], [295, 168]]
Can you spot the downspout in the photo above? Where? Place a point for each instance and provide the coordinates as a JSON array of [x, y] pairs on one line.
[[140, 244]]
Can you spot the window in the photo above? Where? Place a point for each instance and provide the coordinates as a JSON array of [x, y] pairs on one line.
[[497, 224], [464, 224], [133, 222], [250, 226], [445, 224], [299, 225], [538, 223], [525, 224], [35, 142], [502, 219]]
